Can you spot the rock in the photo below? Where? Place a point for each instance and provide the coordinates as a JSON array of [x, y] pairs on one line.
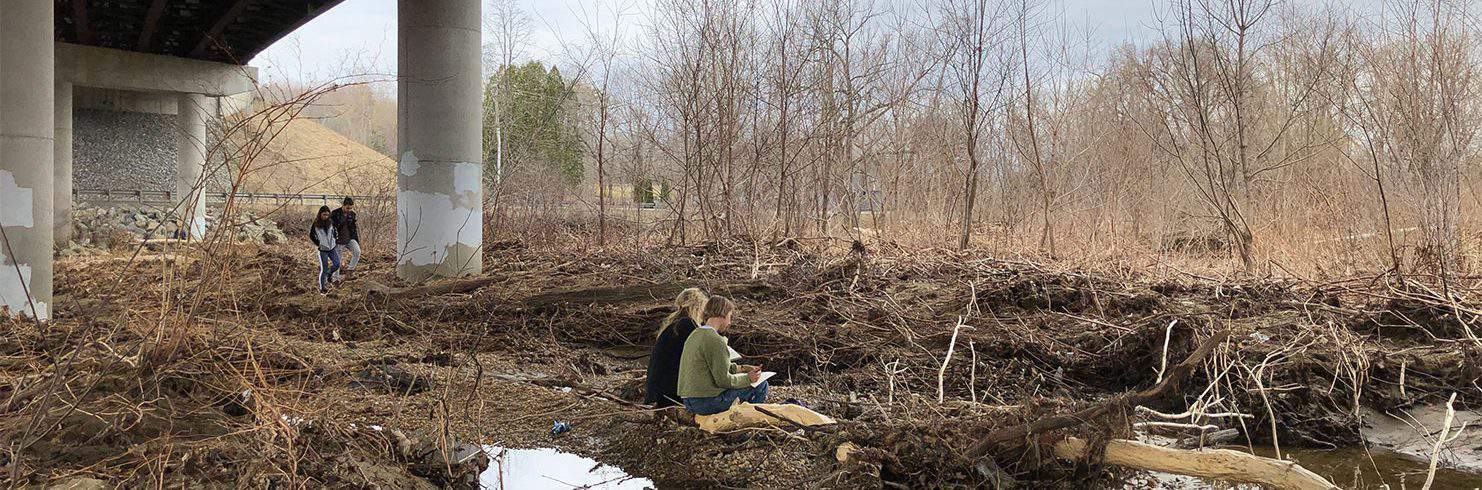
[[846, 451], [458, 468], [123, 150], [115, 227], [251, 233]]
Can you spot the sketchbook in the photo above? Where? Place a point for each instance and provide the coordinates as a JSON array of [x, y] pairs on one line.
[[766, 375], [734, 355]]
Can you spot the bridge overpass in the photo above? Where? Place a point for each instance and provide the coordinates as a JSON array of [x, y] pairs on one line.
[[190, 58]]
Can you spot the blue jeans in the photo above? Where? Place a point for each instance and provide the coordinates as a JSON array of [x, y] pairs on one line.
[[711, 405], [329, 263]]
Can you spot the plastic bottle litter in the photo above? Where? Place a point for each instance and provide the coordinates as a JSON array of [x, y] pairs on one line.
[[558, 427]]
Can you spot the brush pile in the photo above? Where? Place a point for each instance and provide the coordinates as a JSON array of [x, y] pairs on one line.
[[227, 366]]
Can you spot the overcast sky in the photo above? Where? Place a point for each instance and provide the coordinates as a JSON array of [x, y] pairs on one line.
[[359, 36]]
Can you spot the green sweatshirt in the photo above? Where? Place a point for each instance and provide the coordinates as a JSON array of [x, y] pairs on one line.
[[705, 368]]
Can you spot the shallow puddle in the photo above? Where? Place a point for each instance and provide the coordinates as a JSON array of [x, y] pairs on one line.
[[512, 469]]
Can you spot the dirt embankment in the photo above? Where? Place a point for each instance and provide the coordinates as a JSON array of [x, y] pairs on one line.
[[227, 366], [304, 157]]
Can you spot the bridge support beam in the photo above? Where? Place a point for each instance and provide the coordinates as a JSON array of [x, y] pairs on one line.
[[190, 160], [27, 67], [439, 180], [62, 176]]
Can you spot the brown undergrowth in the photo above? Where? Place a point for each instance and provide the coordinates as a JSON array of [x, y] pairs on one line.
[[224, 365]]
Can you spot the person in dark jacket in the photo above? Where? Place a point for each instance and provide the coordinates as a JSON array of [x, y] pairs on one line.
[[347, 234], [322, 234], [663, 360]]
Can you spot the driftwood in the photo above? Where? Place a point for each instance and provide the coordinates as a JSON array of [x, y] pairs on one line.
[[1171, 380], [748, 416], [1221, 464]]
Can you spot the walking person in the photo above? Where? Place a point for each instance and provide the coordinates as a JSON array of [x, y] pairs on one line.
[[347, 235], [322, 234]]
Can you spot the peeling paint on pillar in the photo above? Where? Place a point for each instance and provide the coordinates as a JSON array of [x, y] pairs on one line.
[[17, 211], [441, 234], [408, 164], [13, 294], [15, 202]]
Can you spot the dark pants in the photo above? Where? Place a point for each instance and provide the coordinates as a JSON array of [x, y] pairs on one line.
[[711, 405], [329, 263]]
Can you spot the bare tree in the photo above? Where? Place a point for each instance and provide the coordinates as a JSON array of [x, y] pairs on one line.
[[509, 32], [979, 66], [1412, 103], [1205, 78]]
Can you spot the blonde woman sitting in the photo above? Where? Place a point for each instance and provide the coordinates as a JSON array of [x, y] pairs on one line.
[[663, 360]]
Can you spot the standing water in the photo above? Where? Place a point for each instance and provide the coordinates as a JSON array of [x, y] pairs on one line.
[[511, 469], [1379, 469]]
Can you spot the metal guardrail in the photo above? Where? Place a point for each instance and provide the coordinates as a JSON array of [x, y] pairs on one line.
[[167, 197]]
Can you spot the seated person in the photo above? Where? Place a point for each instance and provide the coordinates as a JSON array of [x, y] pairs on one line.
[[708, 381], [663, 360]]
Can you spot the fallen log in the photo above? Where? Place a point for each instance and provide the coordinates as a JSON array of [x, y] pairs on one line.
[[377, 290], [575, 385], [1171, 380], [662, 292], [1221, 464]]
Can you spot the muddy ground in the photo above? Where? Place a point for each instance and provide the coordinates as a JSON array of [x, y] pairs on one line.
[[221, 365]]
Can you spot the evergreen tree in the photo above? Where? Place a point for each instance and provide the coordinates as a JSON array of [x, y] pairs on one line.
[[538, 122]]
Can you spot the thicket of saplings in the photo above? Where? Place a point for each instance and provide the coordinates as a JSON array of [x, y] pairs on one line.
[[1284, 138]]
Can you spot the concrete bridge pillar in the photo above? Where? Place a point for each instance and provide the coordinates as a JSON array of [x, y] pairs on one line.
[[27, 68], [439, 179], [190, 160], [62, 176]]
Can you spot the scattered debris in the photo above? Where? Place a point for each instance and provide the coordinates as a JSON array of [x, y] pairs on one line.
[[862, 337]]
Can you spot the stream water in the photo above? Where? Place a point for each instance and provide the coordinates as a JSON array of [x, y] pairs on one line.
[[521, 469], [1355, 468]]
